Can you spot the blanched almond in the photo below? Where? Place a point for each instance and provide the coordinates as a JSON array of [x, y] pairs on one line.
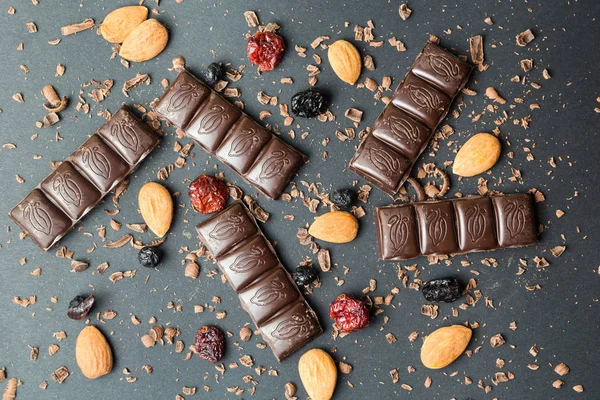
[[119, 23], [335, 227], [156, 206], [146, 41], [477, 155], [318, 374], [345, 61], [445, 345]]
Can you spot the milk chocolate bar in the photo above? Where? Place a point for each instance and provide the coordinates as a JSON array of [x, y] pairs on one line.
[[455, 226], [259, 157], [402, 131], [80, 182], [264, 287]]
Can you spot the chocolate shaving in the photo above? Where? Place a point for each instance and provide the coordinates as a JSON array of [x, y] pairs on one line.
[[119, 243], [67, 30], [476, 45], [255, 209], [135, 82], [324, 260], [524, 38]]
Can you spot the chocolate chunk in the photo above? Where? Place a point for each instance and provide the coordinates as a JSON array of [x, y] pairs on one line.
[[243, 144], [401, 131], [421, 100], [182, 99], [397, 232], [515, 220], [441, 69], [475, 222], [436, 227]]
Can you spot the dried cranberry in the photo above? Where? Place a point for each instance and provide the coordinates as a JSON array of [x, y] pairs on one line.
[[265, 50], [80, 306], [210, 343], [208, 194], [349, 314]]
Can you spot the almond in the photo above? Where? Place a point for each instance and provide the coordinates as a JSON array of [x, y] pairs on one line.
[[93, 353], [146, 41], [445, 345], [318, 374], [120, 22], [335, 227], [156, 206], [477, 155], [345, 61]]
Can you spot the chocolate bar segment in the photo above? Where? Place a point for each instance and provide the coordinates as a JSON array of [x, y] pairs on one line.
[[455, 226], [220, 128], [404, 128], [265, 289], [78, 184]]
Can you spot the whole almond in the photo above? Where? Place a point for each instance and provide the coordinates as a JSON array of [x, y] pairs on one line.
[[318, 374], [93, 353], [119, 23], [345, 61], [445, 345], [335, 227], [477, 155], [146, 41], [156, 205]]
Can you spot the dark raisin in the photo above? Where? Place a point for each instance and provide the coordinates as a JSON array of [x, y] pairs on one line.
[[149, 257], [304, 275], [214, 73], [349, 314], [309, 103], [442, 289], [265, 50], [208, 194], [210, 343], [343, 198], [80, 306]]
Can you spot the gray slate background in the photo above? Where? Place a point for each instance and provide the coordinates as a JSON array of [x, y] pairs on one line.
[[561, 318]]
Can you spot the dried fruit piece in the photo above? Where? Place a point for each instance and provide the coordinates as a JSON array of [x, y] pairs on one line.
[[305, 275], [93, 353], [349, 314], [149, 257], [80, 306], [343, 199], [477, 155], [146, 41], [156, 206], [119, 23], [442, 289], [309, 103], [345, 61], [445, 345], [208, 194], [210, 343], [318, 374], [265, 49], [214, 73], [335, 227]]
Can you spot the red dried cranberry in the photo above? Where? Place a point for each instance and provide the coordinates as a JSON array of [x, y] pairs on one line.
[[208, 194], [349, 314], [210, 343], [265, 50]]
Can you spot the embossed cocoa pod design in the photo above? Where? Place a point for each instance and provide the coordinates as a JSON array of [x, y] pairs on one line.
[[243, 143], [274, 164], [125, 134], [398, 231], [437, 227], [246, 262], [298, 325], [67, 189], [38, 217], [269, 294], [443, 67], [182, 97], [515, 218], [212, 120], [383, 161], [424, 98], [475, 222], [402, 129], [228, 227], [97, 161]]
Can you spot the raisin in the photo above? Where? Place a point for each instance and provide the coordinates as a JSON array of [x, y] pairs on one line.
[[304, 275], [149, 257], [309, 103], [210, 343], [265, 50], [349, 314], [80, 306], [343, 198], [214, 73], [442, 289], [208, 194]]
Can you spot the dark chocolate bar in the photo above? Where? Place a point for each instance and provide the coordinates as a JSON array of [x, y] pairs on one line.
[[259, 157], [402, 131], [80, 182], [264, 287], [455, 226]]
